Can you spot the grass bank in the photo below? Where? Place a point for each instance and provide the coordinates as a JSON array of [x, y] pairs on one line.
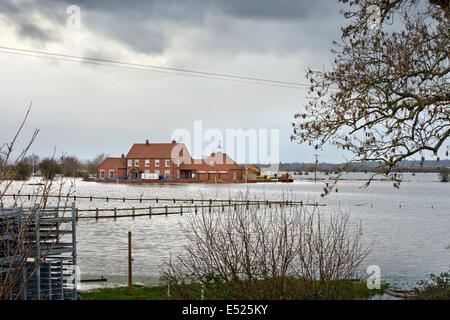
[[350, 291]]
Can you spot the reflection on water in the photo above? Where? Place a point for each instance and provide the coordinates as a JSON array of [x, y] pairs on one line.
[[409, 226]]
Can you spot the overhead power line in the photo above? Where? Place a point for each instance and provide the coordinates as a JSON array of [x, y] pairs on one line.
[[152, 68]]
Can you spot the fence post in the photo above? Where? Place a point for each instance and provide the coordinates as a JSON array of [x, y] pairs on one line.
[[150, 212], [195, 209], [115, 213], [210, 207], [181, 210], [96, 213], [133, 212], [166, 210], [130, 266]]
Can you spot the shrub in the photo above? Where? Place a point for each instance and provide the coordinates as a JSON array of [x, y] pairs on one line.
[[49, 168], [436, 289], [272, 253], [22, 171]]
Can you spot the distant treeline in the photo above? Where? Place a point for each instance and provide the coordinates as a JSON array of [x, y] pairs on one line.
[[406, 166], [68, 166]]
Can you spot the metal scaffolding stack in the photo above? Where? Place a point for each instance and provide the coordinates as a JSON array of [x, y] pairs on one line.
[[38, 252]]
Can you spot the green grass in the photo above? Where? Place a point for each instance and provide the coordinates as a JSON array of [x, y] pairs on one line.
[[349, 290], [121, 293]]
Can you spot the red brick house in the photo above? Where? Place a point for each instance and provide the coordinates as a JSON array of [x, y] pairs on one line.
[[169, 161]]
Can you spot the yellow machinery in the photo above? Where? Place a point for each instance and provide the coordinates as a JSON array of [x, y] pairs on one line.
[[252, 170], [286, 177]]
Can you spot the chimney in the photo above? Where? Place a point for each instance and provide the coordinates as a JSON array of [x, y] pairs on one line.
[[147, 142], [174, 141], [123, 155]]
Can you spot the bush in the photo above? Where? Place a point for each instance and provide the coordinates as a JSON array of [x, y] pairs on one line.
[[273, 253], [49, 168], [22, 171], [436, 289]]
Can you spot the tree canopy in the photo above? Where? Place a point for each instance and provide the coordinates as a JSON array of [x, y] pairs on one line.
[[386, 96]]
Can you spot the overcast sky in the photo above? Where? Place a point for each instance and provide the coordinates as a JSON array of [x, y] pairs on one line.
[[85, 110]]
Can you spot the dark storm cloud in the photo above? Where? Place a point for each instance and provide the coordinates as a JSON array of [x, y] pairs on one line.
[[148, 26]]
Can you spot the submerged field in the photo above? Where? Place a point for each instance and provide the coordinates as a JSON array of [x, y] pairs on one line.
[[408, 226]]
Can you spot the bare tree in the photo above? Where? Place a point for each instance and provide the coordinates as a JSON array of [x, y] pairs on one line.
[[386, 96], [21, 234], [269, 253]]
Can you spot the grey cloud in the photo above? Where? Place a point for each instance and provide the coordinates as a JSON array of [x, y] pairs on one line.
[[148, 26]]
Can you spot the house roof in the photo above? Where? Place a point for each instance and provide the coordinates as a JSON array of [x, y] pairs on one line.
[[154, 150], [115, 162], [222, 162]]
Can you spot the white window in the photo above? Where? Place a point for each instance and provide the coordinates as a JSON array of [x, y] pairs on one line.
[[156, 163], [234, 176], [136, 163], [102, 174], [147, 163], [212, 164], [111, 174], [147, 171], [167, 174], [167, 163], [130, 163], [157, 173]]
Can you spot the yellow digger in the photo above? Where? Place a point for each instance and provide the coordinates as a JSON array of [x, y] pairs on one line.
[[252, 170], [286, 177]]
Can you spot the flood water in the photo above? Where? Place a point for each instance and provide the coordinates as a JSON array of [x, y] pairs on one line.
[[409, 227]]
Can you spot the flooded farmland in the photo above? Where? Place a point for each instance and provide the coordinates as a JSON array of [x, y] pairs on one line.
[[409, 227]]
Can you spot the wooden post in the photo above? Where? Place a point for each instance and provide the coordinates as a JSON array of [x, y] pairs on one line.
[[115, 213], [195, 209], [130, 266], [133, 212], [166, 210], [96, 214], [150, 212]]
